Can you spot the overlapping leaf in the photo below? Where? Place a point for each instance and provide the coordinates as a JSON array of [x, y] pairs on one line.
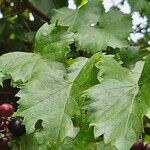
[[52, 41], [74, 69], [45, 86], [85, 139], [46, 96], [95, 29], [117, 105], [130, 55], [88, 141]]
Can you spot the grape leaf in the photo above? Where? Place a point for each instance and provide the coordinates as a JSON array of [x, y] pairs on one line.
[[22, 66], [82, 82], [30, 67], [95, 29], [108, 32], [85, 16], [75, 68], [131, 55], [80, 3], [84, 139], [47, 95], [64, 15], [52, 41], [102, 146], [117, 105]]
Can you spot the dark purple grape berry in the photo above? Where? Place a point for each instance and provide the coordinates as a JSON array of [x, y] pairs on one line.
[[2, 126], [16, 128], [6, 110], [4, 140], [147, 146], [137, 146], [4, 143]]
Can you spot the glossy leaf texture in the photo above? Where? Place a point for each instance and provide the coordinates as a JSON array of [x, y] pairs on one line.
[[117, 105], [94, 29]]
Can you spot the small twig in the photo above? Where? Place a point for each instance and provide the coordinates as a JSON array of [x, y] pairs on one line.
[[17, 145], [24, 23], [3, 92], [36, 11], [13, 14]]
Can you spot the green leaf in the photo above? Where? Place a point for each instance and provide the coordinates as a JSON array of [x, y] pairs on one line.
[[108, 32], [29, 142], [47, 95], [117, 105], [51, 86], [48, 4], [131, 55], [86, 78], [75, 68], [52, 41], [102, 146], [84, 139], [80, 3], [64, 15], [83, 17], [145, 77], [23, 66], [95, 29], [82, 143]]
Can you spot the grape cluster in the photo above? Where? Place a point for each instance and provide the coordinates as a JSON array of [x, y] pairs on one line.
[[10, 127], [140, 146]]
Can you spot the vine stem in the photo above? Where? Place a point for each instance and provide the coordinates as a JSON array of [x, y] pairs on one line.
[[30, 6]]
